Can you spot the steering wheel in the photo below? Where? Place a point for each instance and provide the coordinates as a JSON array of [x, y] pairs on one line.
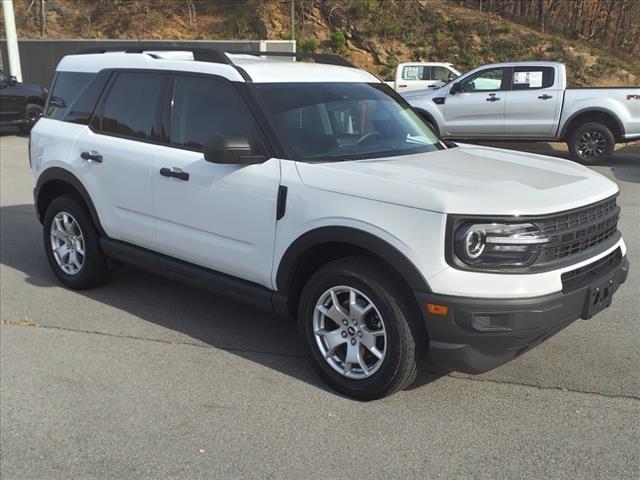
[[369, 135]]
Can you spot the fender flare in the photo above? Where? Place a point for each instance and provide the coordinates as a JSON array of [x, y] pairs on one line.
[[608, 112], [60, 174], [359, 238]]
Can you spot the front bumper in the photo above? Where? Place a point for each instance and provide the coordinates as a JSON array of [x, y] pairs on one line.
[[477, 335]]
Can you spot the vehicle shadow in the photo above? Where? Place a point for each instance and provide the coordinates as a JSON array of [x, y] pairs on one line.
[[9, 130], [206, 319]]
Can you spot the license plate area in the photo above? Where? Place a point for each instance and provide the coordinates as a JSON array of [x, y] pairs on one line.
[[599, 297]]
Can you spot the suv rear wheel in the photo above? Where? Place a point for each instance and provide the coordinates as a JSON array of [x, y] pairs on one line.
[[591, 143], [71, 243], [356, 330]]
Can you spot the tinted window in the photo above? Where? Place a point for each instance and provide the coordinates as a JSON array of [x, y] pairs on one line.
[[341, 121], [484, 81], [66, 88], [203, 107], [132, 105], [4, 79], [81, 109], [532, 78], [442, 74]]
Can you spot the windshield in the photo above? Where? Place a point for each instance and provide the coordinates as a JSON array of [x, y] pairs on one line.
[[342, 121]]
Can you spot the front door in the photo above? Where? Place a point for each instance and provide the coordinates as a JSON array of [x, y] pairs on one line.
[[219, 216], [478, 109]]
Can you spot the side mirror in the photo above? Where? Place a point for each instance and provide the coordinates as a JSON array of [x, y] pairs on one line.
[[12, 80], [230, 149], [457, 88], [450, 77]]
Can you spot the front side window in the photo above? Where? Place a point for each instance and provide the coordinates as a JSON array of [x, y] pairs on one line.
[[132, 106], [66, 89], [442, 74], [204, 107], [4, 79], [342, 121], [484, 81]]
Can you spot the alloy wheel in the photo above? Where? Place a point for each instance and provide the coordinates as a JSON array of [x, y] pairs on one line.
[[592, 143], [67, 243], [350, 332]]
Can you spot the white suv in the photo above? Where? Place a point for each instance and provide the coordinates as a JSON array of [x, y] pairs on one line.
[[313, 190]]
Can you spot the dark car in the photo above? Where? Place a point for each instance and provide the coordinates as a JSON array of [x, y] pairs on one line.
[[21, 104]]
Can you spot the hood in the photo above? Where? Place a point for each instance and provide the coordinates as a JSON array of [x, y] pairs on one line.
[[471, 180], [426, 93]]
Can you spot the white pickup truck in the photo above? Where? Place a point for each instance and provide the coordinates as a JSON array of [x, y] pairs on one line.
[[530, 101], [412, 76]]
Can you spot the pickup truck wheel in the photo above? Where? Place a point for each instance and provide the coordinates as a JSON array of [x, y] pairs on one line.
[[71, 243], [32, 113], [356, 329], [591, 143]]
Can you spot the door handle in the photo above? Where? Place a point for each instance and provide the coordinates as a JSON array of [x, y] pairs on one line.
[[545, 97], [401, 86], [93, 157], [174, 173], [492, 98]]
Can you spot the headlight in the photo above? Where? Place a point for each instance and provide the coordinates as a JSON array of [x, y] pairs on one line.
[[498, 244]]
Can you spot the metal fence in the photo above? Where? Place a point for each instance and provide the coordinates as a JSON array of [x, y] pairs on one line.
[[38, 58]]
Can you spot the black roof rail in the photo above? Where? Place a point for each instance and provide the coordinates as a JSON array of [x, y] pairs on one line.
[[325, 58], [199, 54], [214, 55]]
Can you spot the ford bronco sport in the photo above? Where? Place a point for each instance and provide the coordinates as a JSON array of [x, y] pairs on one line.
[[313, 190]]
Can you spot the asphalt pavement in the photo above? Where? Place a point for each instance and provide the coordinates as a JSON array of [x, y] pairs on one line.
[[148, 378]]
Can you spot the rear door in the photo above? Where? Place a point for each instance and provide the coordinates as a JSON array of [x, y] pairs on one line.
[[478, 110], [414, 77], [218, 216], [117, 153], [533, 103]]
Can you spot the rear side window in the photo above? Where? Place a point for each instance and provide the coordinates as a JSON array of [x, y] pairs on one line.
[[532, 78], [203, 107], [133, 106], [415, 72], [66, 89]]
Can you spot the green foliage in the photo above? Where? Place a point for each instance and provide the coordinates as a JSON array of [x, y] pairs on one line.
[[338, 41], [307, 45]]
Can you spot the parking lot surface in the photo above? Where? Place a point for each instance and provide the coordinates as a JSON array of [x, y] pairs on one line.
[[148, 378]]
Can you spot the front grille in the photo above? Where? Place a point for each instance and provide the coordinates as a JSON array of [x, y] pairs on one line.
[[582, 276], [575, 231]]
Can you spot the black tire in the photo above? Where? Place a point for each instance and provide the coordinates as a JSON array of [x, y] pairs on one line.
[[398, 367], [591, 143], [93, 270], [32, 112]]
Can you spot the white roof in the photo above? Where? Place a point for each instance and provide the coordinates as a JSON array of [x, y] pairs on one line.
[[260, 69]]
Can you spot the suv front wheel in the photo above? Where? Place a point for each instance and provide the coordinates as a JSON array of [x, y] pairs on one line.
[[71, 243], [356, 330]]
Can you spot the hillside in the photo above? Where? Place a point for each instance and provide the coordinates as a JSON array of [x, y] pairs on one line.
[[374, 34]]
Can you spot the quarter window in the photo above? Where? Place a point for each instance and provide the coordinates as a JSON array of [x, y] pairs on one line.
[[132, 106], [66, 89], [204, 107]]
